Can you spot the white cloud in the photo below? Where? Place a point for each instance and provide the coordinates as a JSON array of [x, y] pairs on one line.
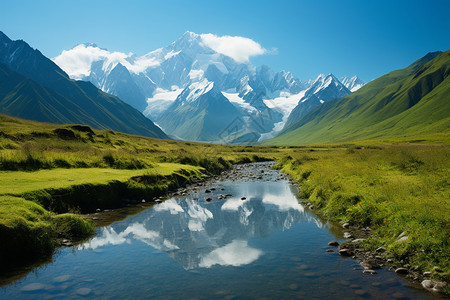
[[237, 47], [77, 61]]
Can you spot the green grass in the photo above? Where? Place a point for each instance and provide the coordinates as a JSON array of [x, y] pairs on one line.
[[391, 188], [27, 230], [20, 182]]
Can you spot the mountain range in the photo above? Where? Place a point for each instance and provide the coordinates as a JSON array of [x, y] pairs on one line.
[[196, 93], [405, 102], [34, 87]]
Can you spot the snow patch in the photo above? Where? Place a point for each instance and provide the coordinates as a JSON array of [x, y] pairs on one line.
[[234, 98], [171, 54], [197, 89], [284, 104], [161, 100]]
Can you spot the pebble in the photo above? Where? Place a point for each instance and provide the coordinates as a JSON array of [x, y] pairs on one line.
[[243, 198], [346, 225], [330, 250], [361, 293], [83, 291], [62, 278], [401, 271], [358, 240], [437, 269], [403, 238], [33, 287], [369, 271], [345, 252], [303, 267], [399, 295], [376, 284], [435, 286], [333, 243]]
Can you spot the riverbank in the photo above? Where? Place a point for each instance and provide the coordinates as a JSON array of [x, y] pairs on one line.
[[399, 195], [49, 170]]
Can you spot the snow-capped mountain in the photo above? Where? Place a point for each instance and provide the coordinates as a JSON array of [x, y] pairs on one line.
[[324, 88], [176, 85], [353, 84]]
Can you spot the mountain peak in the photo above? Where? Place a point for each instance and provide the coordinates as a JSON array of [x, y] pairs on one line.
[[190, 34], [87, 45], [353, 84], [187, 37]]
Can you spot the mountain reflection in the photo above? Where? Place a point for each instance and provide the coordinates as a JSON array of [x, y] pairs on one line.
[[197, 233]]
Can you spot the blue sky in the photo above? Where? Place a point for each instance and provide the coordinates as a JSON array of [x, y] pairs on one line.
[[368, 38]]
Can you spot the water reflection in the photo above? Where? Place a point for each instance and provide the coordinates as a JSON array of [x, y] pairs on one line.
[[202, 234], [236, 253]]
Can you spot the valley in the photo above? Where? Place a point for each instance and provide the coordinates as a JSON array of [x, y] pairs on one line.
[[177, 164]]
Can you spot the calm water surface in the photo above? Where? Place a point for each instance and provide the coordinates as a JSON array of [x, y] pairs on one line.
[[265, 247]]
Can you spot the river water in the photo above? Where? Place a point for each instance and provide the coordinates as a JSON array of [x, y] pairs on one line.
[[263, 247]]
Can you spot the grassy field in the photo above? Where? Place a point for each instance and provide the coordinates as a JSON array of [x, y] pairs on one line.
[[392, 185], [20, 182], [394, 189]]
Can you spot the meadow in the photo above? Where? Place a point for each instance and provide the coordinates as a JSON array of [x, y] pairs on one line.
[[51, 173]]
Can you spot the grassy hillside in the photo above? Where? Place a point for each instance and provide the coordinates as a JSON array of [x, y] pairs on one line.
[[402, 103]]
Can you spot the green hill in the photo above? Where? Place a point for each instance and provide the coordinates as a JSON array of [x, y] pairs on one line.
[[407, 102]]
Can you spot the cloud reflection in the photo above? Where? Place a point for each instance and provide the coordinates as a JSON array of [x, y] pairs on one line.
[[197, 233], [235, 254]]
